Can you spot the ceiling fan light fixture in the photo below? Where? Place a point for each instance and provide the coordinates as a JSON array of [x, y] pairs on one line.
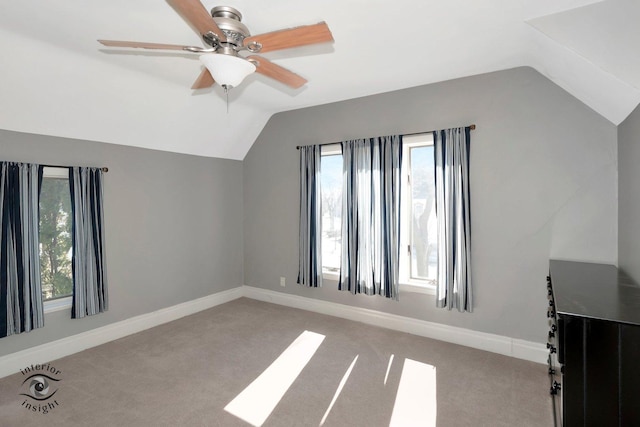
[[227, 70]]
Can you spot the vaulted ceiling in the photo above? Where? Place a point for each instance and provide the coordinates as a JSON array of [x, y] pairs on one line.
[[55, 79]]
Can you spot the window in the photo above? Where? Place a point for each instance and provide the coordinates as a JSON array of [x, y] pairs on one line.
[[418, 243], [418, 227], [331, 184], [55, 238]]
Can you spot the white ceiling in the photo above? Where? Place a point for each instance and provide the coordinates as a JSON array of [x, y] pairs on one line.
[[55, 79]]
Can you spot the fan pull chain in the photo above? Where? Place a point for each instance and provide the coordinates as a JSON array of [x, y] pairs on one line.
[[226, 92]]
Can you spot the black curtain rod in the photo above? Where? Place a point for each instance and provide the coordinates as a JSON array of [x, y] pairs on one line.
[[472, 127], [103, 169]]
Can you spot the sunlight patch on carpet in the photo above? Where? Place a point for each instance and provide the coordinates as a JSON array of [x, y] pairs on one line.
[[388, 369], [416, 397], [256, 402], [339, 390]]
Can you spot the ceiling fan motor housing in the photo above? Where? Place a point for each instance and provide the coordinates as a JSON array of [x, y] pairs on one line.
[[228, 20]]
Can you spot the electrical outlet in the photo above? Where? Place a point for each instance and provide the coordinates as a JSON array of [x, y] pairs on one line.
[[283, 282]]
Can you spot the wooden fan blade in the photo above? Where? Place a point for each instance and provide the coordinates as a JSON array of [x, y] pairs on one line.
[[292, 37], [117, 43], [195, 13], [276, 72], [205, 79]]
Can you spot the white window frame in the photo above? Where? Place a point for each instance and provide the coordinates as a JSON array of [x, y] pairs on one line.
[[64, 302], [408, 284]]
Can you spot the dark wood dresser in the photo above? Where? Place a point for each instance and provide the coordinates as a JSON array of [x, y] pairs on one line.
[[594, 344]]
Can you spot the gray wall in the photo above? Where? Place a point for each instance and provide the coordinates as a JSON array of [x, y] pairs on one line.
[[173, 227], [543, 182], [629, 194]]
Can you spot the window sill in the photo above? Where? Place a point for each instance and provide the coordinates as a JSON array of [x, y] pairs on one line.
[[331, 276], [57, 304], [418, 289]]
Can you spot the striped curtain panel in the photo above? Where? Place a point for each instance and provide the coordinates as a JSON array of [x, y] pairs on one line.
[[453, 215], [371, 216], [21, 307], [88, 264], [310, 228]]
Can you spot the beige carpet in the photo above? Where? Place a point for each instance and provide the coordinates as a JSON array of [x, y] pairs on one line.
[[185, 372]]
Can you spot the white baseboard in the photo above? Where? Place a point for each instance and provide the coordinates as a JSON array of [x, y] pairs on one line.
[[527, 350], [12, 363]]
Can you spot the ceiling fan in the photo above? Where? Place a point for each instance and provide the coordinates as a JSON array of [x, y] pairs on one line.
[[226, 36]]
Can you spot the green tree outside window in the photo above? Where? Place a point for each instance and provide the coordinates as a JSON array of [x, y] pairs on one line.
[[55, 238]]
